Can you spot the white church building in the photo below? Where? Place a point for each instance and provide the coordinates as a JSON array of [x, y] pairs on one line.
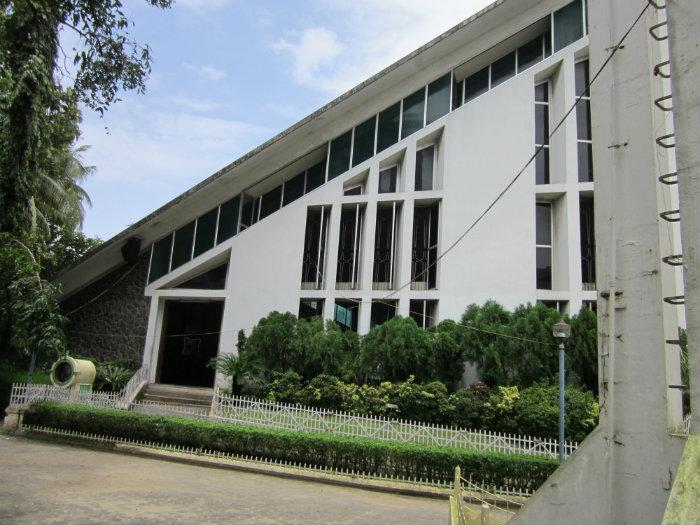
[[358, 212]]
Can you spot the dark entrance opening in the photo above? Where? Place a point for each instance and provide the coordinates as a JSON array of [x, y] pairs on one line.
[[190, 339]]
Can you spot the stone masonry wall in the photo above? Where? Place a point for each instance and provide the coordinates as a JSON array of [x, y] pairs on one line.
[[111, 326]]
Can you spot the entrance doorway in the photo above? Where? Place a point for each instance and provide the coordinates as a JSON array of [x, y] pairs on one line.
[[191, 332]]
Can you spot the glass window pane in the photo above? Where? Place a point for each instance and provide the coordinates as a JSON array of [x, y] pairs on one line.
[[476, 84], [582, 78], [542, 92], [388, 132], [438, 98], [544, 268], [413, 106], [583, 119], [339, 158], [160, 258], [247, 214], [357, 190], [310, 308], [457, 93], [381, 312], [544, 224], [502, 69], [270, 202], [387, 180], [424, 168], [363, 147], [585, 162], [315, 176], [214, 279], [228, 219], [530, 54], [548, 43], [293, 189], [346, 315], [206, 231], [541, 124], [182, 246], [542, 167], [568, 25]]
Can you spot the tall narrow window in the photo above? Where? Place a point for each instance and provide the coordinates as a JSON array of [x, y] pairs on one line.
[[363, 142], [313, 262], [310, 308], [385, 237], [160, 258], [425, 165], [413, 113], [425, 247], [348, 270], [389, 122], [423, 312], [530, 54], [388, 179], [339, 156], [438, 98], [587, 243], [293, 189], [382, 311], [544, 245], [315, 176], [583, 124], [502, 69], [542, 133], [182, 246], [270, 202], [346, 314], [568, 24], [457, 93], [206, 232], [228, 219], [246, 212], [476, 84]]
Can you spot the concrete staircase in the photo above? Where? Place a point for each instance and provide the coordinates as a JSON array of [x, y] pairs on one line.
[[174, 400]]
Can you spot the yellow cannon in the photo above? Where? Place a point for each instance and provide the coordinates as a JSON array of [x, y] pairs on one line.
[[75, 374]]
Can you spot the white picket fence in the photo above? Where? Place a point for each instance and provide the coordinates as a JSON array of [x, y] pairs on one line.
[[294, 417], [24, 394]]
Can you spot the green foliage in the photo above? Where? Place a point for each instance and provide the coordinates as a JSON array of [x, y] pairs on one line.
[[286, 387], [112, 376], [517, 348], [17, 373], [428, 402], [281, 342], [396, 350], [324, 450], [30, 319], [236, 366]]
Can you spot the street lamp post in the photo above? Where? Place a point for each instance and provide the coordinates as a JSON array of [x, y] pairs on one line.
[[561, 331]]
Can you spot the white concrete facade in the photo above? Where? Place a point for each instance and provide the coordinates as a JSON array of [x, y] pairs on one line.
[[480, 147]]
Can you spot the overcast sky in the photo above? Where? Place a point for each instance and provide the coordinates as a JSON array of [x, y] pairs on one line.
[[228, 75]]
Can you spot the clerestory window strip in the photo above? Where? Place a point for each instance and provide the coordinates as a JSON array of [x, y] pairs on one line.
[[567, 25]]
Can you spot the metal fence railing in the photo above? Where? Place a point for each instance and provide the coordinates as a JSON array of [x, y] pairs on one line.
[[293, 417], [24, 394]]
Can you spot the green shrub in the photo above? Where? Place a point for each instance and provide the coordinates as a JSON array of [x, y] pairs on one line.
[[325, 391], [396, 350], [112, 377], [428, 402], [324, 450], [536, 412], [9, 373], [469, 407], [285, 387]]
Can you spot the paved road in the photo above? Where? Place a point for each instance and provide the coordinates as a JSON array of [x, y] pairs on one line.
[[59, 484]]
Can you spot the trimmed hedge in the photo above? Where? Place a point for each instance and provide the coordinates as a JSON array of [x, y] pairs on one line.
[[325, 450]]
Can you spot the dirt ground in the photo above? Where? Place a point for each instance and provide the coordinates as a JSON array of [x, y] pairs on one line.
[[59, 484]]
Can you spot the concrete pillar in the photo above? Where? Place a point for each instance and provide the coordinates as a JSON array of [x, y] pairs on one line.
[[683, 17], [624, 470]]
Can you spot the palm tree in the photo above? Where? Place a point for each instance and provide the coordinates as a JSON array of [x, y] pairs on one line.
[[60, 197]]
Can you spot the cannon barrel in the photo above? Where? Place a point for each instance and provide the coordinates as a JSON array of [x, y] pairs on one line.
[[69, 372]]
